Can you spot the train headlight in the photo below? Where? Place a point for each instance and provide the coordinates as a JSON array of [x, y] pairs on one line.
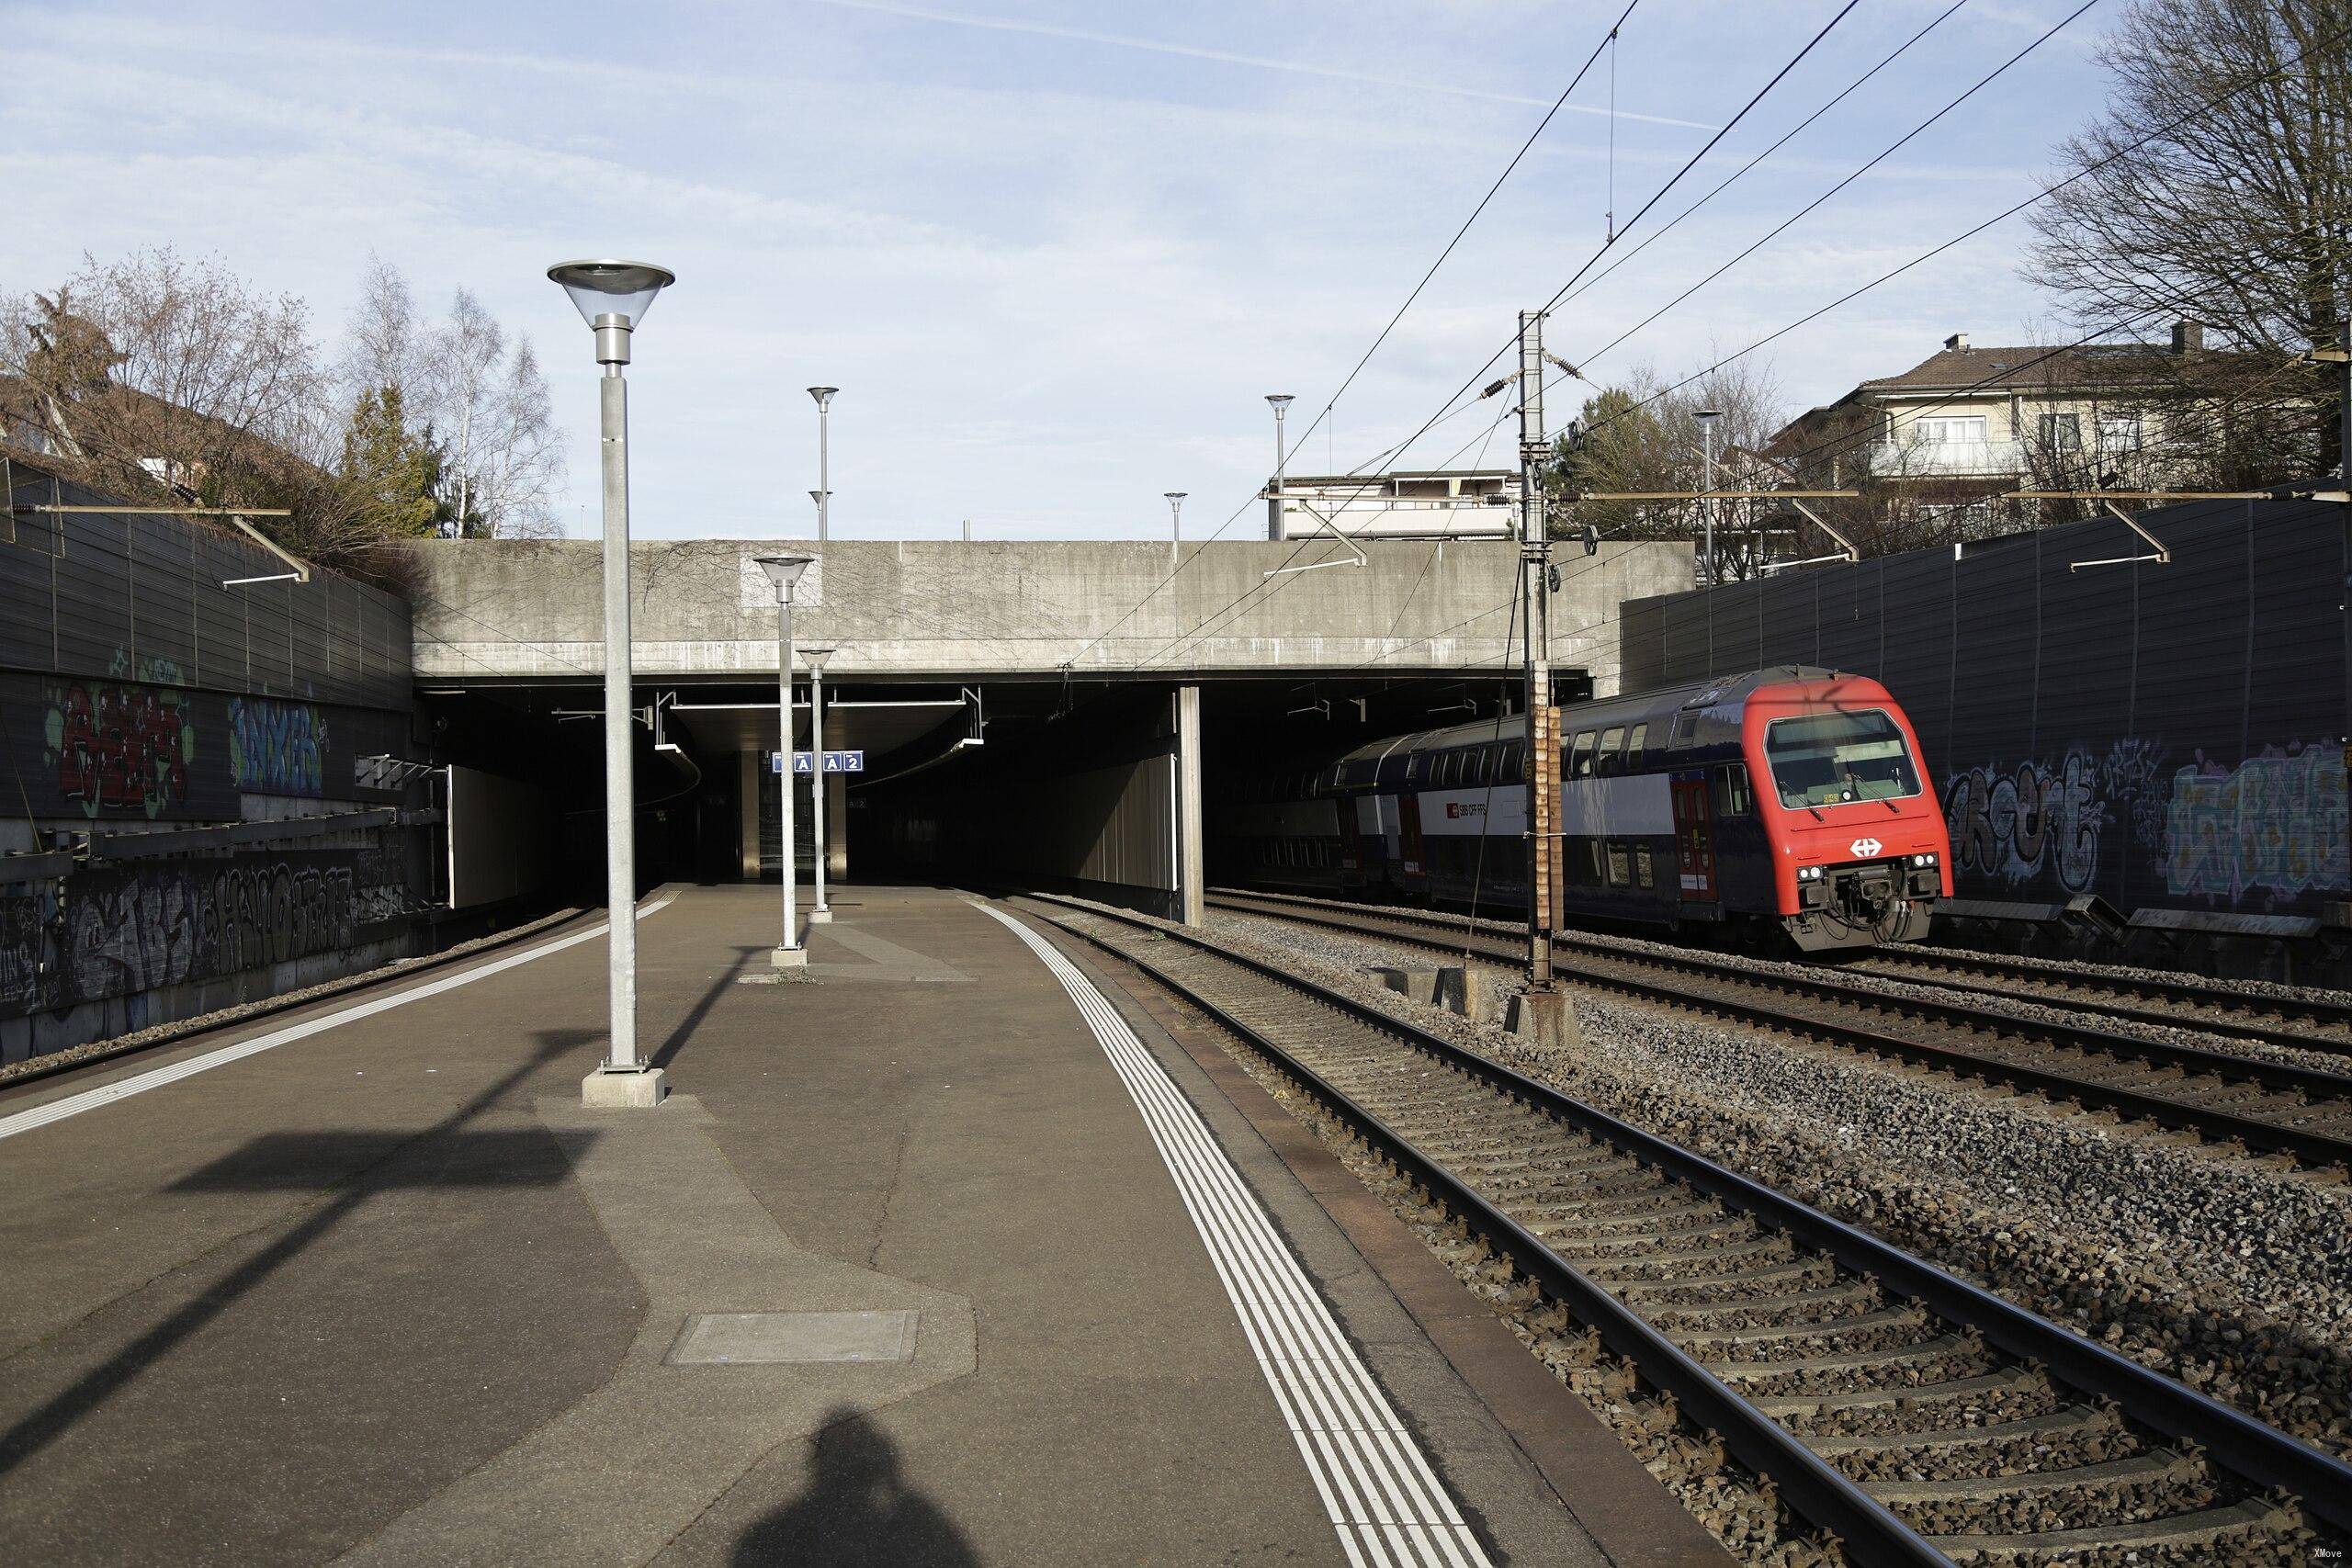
[[1927, 859], [1811, 873]]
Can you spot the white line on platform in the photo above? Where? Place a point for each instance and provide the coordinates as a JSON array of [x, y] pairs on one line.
[[1383, 1498], [123, 1088]]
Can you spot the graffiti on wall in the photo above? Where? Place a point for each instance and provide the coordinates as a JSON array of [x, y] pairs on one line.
[[2018, 825], [117, 933], [2275, 821], [118, 747], [276, 747]]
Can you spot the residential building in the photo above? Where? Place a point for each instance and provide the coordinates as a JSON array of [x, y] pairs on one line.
[[1970, 421], [1451, 504]]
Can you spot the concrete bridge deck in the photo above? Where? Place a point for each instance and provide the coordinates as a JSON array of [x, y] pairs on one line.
[[505, 609]]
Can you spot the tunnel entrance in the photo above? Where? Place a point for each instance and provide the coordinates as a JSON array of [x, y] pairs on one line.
[[1080, 785]]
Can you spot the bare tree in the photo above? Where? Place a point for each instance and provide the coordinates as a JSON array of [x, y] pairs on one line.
[[465, 393], [2238, 217], [1644, 434]]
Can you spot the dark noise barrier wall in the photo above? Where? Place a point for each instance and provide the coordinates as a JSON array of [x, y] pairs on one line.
[[2167, 737], [195, 808]]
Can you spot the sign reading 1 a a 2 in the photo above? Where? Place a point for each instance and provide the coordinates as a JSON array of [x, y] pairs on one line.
[[806, 762]]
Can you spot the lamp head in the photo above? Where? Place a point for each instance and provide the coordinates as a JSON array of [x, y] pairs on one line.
[[783, 570], [818, 496], [1281, 401], [622, 288], [824, 396], [1174, 496], [1708, 416], [612, 298], [815, 654]]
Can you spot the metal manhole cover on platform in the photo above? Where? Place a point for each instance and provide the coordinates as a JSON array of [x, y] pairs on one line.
[[751, 1338]]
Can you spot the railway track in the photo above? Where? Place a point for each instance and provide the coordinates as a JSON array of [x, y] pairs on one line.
[[1917, 1417], [2217, 1095], [2311, 1023]]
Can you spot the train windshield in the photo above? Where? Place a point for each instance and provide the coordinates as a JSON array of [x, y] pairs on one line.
[[1826, 759]]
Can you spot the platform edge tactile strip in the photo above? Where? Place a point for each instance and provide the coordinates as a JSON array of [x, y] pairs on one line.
[[1382, 1495]]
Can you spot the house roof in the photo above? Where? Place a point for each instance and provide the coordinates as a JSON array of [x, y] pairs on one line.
[[2028, 365]]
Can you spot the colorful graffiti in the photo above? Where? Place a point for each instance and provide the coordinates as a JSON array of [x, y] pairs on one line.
[[118, 747], [276, 747], [119, 933], [2275, 821]]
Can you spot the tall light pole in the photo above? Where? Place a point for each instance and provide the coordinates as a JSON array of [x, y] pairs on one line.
[[1277, 525], [1707, 418], [824, 491], [612, 298], [783, 570], [816, 654], [1175, 519]]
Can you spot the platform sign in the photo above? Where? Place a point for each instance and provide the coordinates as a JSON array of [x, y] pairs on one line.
[[804, 763]]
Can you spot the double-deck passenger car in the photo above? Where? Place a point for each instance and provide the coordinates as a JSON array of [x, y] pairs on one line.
[[1791, 797]]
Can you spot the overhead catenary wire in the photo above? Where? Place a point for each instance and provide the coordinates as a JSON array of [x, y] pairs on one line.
[[1977, 229], [1273, 583], [1876, 159], [1450, 246]]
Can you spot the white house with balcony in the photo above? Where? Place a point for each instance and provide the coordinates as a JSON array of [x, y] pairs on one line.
[[1989, 418], [1446, 503]]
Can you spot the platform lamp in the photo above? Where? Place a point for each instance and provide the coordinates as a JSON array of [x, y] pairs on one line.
[[612, 298], [814, 656], [1175, 498], [1707, 418], [783, 570], [824, 491], [1276, 526]]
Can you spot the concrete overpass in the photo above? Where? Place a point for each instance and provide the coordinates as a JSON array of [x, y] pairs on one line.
[[945, 610], [1061, 711]]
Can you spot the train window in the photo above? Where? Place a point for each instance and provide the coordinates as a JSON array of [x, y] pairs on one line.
[[1514, 765], [1606, 760], [1822, 759], [1620, 864], [1643, 870], [1479, 762], [1581, 756], [1732, 798], [1633, 744]]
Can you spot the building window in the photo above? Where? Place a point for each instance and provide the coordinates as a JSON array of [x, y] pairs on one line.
[[1940, 431], [2062, 432], [2119, 432]]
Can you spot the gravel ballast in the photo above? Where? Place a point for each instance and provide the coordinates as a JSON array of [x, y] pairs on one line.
[[2231, 1276]]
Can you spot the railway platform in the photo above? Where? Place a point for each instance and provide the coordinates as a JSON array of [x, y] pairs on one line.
[[951, 1250]]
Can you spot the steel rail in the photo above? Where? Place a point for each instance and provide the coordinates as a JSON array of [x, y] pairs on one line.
[[2258, 1453], [2314, 1147], [1815, 1490], [2311, 1009]]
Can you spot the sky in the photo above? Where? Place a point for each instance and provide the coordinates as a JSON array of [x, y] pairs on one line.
[[1054, 255]]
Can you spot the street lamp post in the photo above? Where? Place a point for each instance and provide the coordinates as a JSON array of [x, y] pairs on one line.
[[783, 570], [1175, 519], [816, 654], [1277, 525], [612, 298], [1707, 418], [824, 396]]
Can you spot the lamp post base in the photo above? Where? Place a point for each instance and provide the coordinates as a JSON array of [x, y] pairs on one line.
[[789, 957], [621, 1089], [820, 916]]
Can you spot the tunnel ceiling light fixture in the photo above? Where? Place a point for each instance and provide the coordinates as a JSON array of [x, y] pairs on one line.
[[608, 287]]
